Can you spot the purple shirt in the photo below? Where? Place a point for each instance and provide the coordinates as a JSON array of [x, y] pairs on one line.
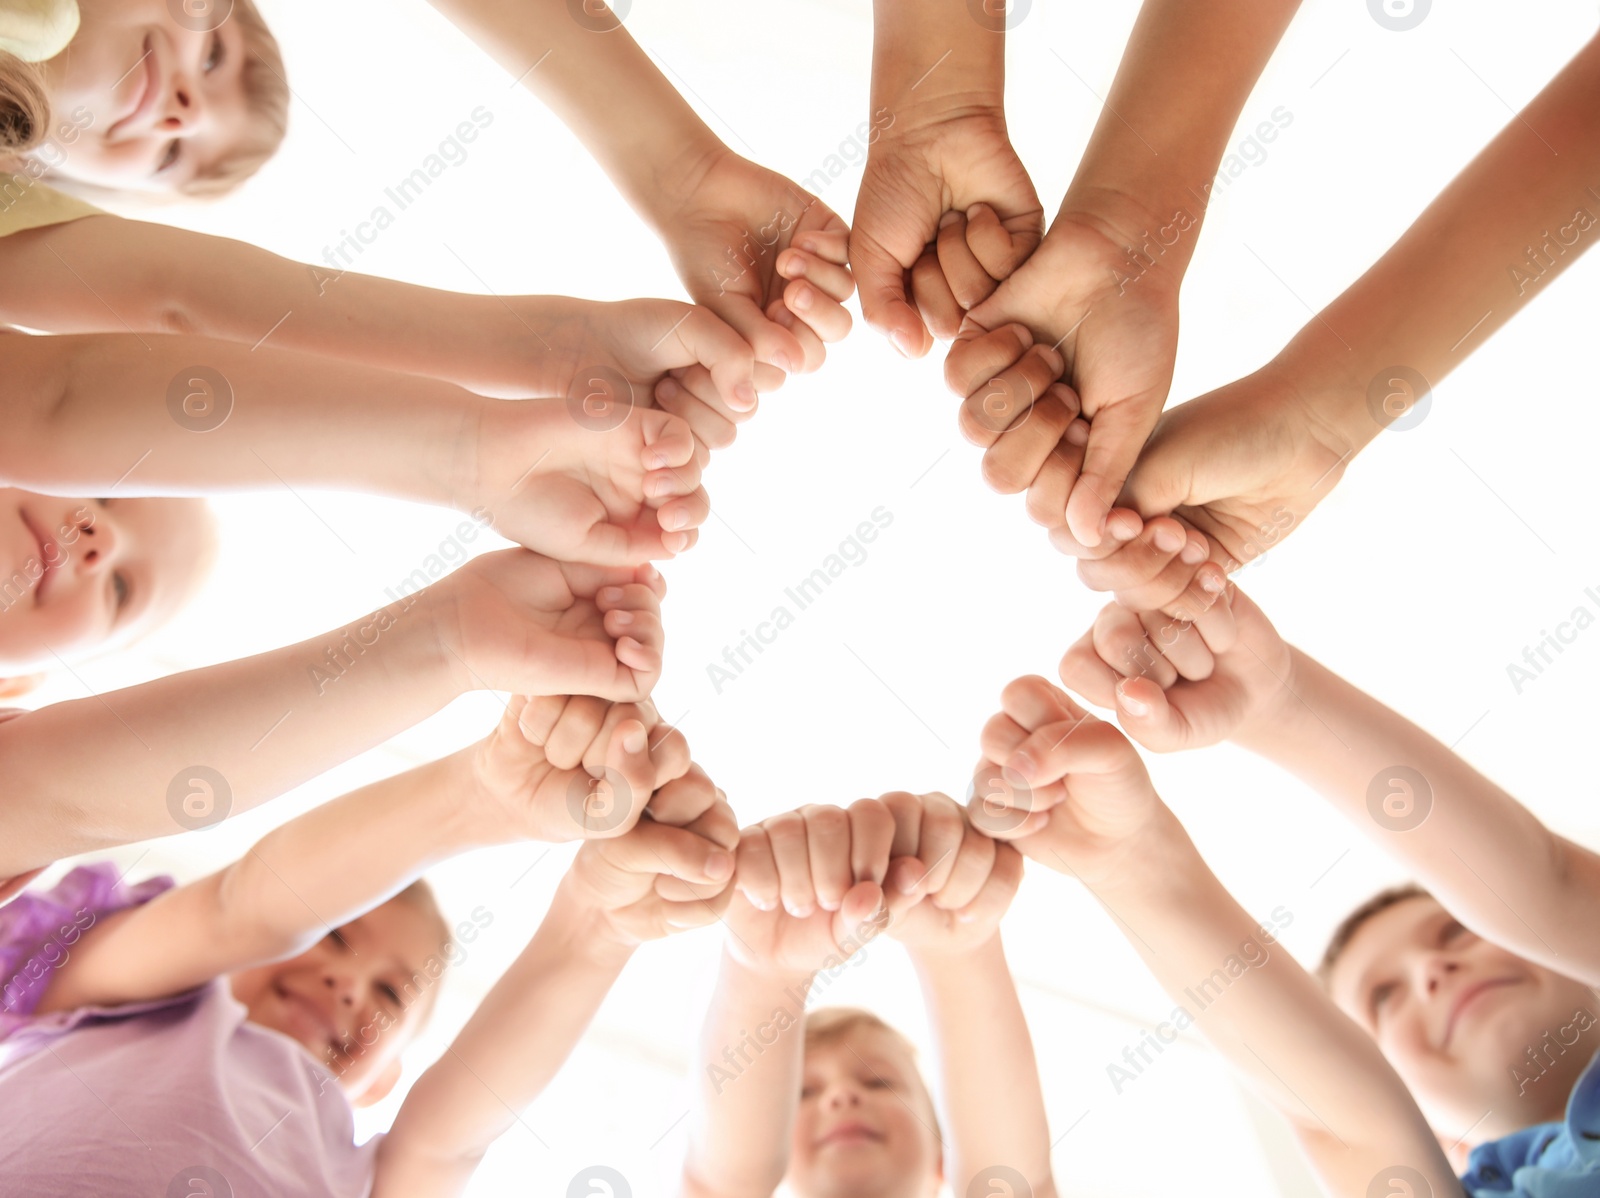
[[174, 1098]]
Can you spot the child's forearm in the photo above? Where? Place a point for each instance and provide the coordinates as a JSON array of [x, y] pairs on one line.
[[1183, 81], [1485, 856], [1520, 213], [990, 1076], [598, 81], [934, 53], [108, 275], [184, 415], [296, 885], [747, 1084], [503, 1059], [1267, 1017], [184, 751]]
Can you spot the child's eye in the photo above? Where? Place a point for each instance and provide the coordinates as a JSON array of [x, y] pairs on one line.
[[878, 1083], [338, 941], [218, 53], [169, 159], [389, 993], [1451, 931], [1380, 996], [120, 589]]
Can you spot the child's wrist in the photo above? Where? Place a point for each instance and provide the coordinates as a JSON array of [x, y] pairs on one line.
[[1273, 713], [765, 976], [1331, 386], [586, 927]]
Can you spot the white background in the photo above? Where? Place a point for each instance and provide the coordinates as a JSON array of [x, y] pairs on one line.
[[1447, 549]]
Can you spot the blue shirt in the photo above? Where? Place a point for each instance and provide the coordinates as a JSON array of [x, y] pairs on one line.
[[1548, 1160]]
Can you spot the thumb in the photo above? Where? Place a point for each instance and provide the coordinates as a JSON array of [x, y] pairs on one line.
[[997, 248], [882, 280], [861, 916], [610, 806], [1117, 433], [1147, 716]]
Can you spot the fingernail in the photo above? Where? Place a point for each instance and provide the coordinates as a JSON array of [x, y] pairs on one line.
[[1169, 540], [611, 594], [1022, 766], [783, 362], [902, 343], [1193, 553], [802, 299], [1131, 705], [1213, 583], [1053, 359], [745, 396], [949, 218], [673, 521], [974, 210], [635, 741], [622, 618], [676, 542], [667, 389], [657, 459], [719, 865]]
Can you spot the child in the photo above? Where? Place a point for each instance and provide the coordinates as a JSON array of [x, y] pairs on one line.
[[186, 751], [839, 1107], [227, 1026], [1248, 462], [138, 95], [1457, 1008]]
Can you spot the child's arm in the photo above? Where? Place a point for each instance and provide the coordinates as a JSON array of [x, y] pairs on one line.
[[336, 862], [180, 415], [609, 903], [953, 936], [1095, 816], [1486, 857], [104, 274], [1247, 463], [188, 750], [812, 890], [761, 252]]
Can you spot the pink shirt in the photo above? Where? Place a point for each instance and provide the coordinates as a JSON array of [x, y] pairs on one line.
[[178, 1096]]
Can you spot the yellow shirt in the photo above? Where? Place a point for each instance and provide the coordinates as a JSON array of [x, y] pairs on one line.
[[36, 30]]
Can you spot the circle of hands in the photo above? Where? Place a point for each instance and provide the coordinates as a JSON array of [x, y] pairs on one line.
[[1062, 357]]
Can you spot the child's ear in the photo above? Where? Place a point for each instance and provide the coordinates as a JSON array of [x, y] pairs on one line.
[[381, 1085], [15, 688]]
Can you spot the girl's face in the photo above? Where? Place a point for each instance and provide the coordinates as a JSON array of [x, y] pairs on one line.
[[80, 575], [158, 94], [865, 1126], [352, 1001]]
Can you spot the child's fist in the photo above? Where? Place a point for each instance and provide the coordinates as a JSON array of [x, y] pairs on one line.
[[811, 887], [1177, 684], [1067, 788], [515, 621]]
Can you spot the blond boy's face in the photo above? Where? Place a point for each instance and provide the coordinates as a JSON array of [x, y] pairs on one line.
[[352, 1000], [865, 1125], [1456, 1016], [81, 575], [157, 95]]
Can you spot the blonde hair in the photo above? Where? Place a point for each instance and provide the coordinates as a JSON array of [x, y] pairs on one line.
[[25, 108]]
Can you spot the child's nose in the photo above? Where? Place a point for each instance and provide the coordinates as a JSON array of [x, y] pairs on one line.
[[344, 988], [843, 1095], [184, 107], [97, 546]]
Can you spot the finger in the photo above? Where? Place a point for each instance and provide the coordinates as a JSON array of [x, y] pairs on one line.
[[629, 777], [1116, 435], [1005, 402], [1120, 641], [719, 348], [970, 864], [828, 847], [535, 717], [771, 342], [706, 419], [1180, 645], [882, 279], [861, 917], [668, 445], [825, 316], [906, 810], [1084, 672], [689, 511], [939, 307], [970, 283], [647, 575], [1002, 806], [1047, 498], [756, 874], [833, 279], [979, 354], [787, 834], [576, 730], [871, 839], [682, 800], [669, 752], [674, 852], [716, 826], [998, 890], [944, 827], [813, 353], [830, 243], [1013, 463], [1151, 570], [1002, 246]]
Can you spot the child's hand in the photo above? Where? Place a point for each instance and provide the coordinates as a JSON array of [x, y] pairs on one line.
[[1181, 685], [573, 767], [672, 872], [950, 277], [616, 489], [1016, 410], [1067, 788], [515, 621], [811, 887], [727, 236], [968, 884]]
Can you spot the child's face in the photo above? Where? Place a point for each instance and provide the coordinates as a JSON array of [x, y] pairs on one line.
[[78, 575], [352, 1000], [1456, 1015], [162, 99], [865, 1125]]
